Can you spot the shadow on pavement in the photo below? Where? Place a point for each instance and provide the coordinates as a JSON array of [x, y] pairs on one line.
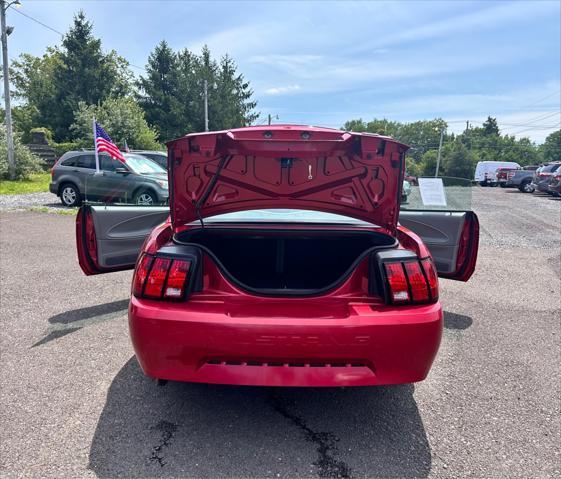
[[70, 321], [196, 430], [456, 321]]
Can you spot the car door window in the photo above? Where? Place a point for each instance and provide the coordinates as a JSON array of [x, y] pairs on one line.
[[424, 195], [86, 161], [109, 164]]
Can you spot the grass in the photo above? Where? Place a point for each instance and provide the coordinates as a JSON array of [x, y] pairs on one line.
[[37, 183], [56, 211]]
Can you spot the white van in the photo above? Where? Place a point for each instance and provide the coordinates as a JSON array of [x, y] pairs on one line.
[[486, 171]]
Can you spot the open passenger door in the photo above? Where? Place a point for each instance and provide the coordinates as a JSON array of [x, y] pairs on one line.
[[109, 238], [450, 231], [451, 237]]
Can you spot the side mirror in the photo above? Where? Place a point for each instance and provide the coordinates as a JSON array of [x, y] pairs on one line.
[[122, 171]]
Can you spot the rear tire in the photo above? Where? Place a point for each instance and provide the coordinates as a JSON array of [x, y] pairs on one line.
[[70, 195], [526, 187], [503, 185]]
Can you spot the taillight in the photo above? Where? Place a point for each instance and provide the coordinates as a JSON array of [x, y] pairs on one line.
[[141, 274], [417, 282], [432, 277], [161, 278], [411, 281], [399, 291], [177, 278]]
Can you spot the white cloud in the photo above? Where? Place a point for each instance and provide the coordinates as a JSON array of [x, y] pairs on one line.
[[281, 90]]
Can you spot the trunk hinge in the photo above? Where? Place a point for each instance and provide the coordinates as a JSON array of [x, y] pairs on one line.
[[209, 188]]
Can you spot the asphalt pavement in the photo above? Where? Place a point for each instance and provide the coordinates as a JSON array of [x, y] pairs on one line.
[[73, 402]]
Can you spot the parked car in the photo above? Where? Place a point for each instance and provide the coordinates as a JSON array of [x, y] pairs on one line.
[[283, 262], [74, 178], [503, 175], [486, 171], [554, 185], [521, 179], [540, 180], [160, 157]]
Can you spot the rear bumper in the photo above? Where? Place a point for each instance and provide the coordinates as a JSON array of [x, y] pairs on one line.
[[53, 188], [215, 343]]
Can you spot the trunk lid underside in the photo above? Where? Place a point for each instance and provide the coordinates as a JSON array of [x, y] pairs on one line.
[[290, 167]]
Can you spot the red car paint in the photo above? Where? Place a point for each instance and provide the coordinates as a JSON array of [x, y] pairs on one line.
[[228, 335], [331, 171]]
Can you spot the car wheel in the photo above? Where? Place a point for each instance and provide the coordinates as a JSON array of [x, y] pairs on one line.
[[69, 195], [526, 187], [483, 183], [145, 198], [503, 185]]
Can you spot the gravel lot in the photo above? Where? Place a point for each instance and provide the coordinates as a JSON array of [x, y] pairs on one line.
[[73, 402]]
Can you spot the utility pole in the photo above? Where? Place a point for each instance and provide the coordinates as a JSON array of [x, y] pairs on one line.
[[5, 67], [206, 104], [270, 118], [439, 152]]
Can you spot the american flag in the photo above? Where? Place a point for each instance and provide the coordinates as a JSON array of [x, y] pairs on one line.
[[103, 142]]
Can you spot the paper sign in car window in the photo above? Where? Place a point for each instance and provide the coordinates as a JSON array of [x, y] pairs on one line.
[[432, 191]]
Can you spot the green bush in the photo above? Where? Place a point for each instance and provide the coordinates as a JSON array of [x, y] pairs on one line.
[[26, 162], [62, 148], [48, 133]]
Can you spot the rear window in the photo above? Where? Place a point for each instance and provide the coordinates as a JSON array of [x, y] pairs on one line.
[[284, 216], [69, 162], [550, 168]]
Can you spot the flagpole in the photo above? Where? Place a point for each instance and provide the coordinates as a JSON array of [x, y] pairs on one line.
[[95, 147]]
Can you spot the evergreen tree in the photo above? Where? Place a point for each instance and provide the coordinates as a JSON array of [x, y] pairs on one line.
[[159, 92], [490, 127], [172, 92], [86, 74], [54, 84]]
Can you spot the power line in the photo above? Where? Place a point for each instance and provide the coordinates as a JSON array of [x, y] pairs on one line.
[[37, 21], [60, 33], [555, 93]]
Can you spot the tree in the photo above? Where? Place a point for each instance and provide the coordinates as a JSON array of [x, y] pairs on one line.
[[232, 101], [551, 149], [78, 71], [26, 162], [490, 127], [123, 120], [159, 90], [32, 78], [171, 93], [458, 161]]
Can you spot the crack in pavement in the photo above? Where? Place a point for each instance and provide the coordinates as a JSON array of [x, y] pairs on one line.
[[326, 442], [168, 430]]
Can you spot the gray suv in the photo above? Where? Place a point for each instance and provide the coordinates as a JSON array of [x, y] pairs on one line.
[[140, 181]]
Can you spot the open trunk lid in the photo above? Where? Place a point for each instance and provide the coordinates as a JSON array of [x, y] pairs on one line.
[[286, 166]]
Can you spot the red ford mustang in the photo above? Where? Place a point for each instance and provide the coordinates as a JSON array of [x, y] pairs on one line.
[[281, 262]]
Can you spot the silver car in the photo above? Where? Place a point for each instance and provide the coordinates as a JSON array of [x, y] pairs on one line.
[[139, 180]]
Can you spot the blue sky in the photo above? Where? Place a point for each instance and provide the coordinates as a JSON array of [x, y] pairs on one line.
[[325, 62]]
